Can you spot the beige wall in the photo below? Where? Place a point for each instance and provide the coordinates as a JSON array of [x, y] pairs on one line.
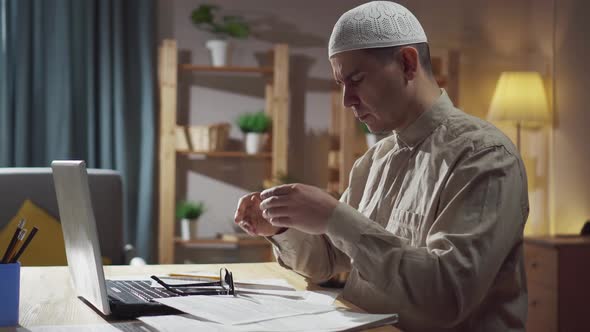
[[492, 36]]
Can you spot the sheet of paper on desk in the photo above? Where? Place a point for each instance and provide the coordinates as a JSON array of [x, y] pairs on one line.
[[337, 320], [115, 327], [175, 323], [281, 287], [242, 309]]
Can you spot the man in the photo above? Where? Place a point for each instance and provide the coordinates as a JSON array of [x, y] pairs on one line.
[[431, 224]]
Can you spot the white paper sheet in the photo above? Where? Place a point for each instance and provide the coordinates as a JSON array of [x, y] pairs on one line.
[[116, 327], [326, 297], [173, 323], [242, 309], [338, 320]]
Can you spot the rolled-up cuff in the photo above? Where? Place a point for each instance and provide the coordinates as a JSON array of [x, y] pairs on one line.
[[345, 227], [288, 240]]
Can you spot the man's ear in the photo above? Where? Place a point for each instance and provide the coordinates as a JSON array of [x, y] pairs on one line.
[[409, 62]]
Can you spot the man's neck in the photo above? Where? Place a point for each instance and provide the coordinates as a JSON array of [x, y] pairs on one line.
[[425, 97]]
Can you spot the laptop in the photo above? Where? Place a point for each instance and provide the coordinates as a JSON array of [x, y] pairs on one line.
[[116, 298]]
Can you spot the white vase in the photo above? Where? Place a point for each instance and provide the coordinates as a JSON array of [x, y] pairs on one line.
[[371, 139], [254, 143], [220, 52], [188, 229]]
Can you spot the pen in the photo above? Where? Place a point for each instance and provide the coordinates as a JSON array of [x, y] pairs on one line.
[[21, 236], [15, 258], [12, 243]]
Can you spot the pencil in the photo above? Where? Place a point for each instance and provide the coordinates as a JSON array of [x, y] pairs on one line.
[[21, 236], [24, 246], [193, 276], [12, 243]]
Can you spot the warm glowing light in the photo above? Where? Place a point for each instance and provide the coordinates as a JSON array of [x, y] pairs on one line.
[[520, 97]]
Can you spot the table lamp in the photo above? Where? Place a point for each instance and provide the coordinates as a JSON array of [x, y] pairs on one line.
[[520, 98]]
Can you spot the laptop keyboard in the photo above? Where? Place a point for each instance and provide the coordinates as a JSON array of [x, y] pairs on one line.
[[135, 291]]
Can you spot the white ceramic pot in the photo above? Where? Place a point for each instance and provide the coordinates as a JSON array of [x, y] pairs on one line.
[[220, 52], [254, 143], [371, 139], [188, 229]]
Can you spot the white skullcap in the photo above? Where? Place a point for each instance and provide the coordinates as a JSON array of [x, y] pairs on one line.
[[375, 24]]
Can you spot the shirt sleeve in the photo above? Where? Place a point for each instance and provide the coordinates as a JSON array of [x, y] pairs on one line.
[[313, 256], [481, 214]]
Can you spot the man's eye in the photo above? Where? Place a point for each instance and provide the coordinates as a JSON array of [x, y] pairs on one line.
[[356, 79]]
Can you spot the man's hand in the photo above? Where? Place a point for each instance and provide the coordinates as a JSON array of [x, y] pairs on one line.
[[298, 206], [249, 216]]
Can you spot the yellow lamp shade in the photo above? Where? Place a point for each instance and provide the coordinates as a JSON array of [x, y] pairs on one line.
[[520, 97]]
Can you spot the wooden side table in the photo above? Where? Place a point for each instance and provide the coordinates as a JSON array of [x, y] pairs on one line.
[[558, 278]]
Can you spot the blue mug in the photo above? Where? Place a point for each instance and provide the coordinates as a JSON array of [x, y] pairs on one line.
[[9, 293]]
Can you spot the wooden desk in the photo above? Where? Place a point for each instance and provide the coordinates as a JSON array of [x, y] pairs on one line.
[[47, 297]]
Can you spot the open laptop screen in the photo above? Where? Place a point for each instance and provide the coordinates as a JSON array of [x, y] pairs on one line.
[[80, 235]]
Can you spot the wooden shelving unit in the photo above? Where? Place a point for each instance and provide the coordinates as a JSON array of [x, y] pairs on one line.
[[277, 107], [222, 250]]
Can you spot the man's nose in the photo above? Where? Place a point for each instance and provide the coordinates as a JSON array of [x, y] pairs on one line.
[[349, 97]]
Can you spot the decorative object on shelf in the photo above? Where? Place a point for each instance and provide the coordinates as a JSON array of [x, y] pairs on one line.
[[205, 18], [520, 98], [181, 139], [209, 137], [188, 213], [254, 126]]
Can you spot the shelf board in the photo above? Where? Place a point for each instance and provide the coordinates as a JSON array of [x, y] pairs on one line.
[[224, 154], [227, 69]]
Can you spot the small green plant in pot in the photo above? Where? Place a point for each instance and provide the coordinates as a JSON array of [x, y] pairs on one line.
[[369, 136], [188, 213], [254, 126], [223, 27]]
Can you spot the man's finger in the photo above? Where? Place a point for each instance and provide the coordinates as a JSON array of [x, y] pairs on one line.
[[275, 212], [247, 227], [243, 204], [281, 222], [277, 191], [273, 201]]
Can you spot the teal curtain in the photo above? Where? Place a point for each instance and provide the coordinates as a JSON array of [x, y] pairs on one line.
[[77, 81]]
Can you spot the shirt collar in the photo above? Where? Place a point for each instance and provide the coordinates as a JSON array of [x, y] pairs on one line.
[[426, 123]]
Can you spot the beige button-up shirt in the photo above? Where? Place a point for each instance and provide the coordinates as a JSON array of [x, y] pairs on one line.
[[430, 227]]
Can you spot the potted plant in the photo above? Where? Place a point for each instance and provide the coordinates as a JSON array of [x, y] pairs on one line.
[[189, 213], [205, 17], [369, 136], [254, 126]]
